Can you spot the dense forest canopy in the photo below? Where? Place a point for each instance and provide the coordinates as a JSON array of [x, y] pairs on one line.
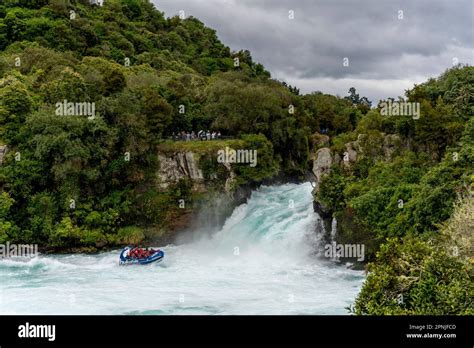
[[147, 78]]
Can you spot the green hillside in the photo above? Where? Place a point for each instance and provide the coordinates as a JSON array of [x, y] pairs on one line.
[[148, 77]]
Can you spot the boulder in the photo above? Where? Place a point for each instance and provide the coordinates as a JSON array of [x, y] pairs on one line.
[[322, 165], [350, 155]]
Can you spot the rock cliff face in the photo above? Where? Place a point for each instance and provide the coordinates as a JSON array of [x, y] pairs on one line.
[[185, 165], [178, 166], [350, 155], [390, 144], [217, 198], [324, 159], [321, 165], [3, 151]]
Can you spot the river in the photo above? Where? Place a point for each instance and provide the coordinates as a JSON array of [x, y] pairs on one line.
[[262, 261]]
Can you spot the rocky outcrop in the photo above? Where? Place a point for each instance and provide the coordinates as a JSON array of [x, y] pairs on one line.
[[178, 166], [186, 165], [380, 146], [216, 194], [323, 160], [390, 143], [350, 155], [3, 152], [231, 179], [322, 163]]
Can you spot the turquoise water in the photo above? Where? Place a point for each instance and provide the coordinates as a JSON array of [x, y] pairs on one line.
[[262, 261]]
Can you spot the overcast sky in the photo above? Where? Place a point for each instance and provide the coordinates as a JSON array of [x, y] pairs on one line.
[[387, 54]]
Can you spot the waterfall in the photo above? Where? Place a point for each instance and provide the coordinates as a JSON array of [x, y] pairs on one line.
[[261, 261]]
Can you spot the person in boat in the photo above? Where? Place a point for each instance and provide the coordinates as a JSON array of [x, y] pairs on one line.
[[149, 252], [135, 253], [139, 253]]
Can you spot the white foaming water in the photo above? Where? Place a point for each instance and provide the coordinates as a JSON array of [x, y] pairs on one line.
[[262, 261]]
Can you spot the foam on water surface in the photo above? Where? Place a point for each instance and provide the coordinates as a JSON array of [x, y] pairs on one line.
[[262, 261]]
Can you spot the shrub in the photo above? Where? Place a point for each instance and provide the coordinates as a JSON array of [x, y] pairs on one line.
[[130, 235], [65, 234], [413, 276]]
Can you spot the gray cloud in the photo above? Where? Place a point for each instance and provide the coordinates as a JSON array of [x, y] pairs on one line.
[[386, 54]]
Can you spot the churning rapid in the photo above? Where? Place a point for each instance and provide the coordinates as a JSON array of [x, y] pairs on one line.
[[262, 261]]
